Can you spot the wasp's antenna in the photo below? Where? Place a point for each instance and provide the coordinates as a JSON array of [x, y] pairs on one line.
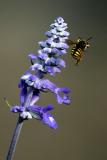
[[89, 38], [6, 101]]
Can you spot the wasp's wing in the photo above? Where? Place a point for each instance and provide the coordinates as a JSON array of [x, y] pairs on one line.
[[89, 38], [70, 42]]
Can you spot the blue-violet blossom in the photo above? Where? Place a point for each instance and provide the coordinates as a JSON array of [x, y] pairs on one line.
[[49, 60]]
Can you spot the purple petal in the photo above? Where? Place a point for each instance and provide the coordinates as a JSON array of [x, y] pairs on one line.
[[46, 84], [60, 28], [35, 97], [59, 99], [42, 44], [38, 83], [47, 50], [34, 108], [23, 79], [64, 90], [63, 51], [52, 70], [37, 66], [64, 25], [43, 56], [49, 120], [48, 108], [62, 98], [66, 100], [40, 113], [48, 33], [62, 45], [54, 31], [23, 94], [49, 41], [16, 109], [25, 115], [59, 20], [64, 33], [56, 70], [58, 51], [32, 56], [22, 84], [48, 69], [61, 62], [26, 76]]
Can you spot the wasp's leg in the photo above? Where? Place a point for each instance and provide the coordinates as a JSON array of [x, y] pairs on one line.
[[77, 62]]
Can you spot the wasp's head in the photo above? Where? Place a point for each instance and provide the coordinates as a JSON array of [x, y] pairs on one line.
[[87, 43]]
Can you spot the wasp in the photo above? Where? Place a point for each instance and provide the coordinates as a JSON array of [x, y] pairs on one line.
[[78, 48]]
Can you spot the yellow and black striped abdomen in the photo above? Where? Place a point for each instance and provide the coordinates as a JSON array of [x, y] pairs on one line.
[[76, 53]]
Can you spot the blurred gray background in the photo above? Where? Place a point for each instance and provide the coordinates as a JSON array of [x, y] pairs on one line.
[[82, 131]]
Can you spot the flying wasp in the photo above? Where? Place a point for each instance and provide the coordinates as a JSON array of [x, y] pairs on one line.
[[78, 48]]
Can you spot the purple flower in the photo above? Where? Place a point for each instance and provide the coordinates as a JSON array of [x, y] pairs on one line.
[[49, 60], [59, 20], [51, 49], [52, 70], [44, 85], [61, 62], [35, 97], [59, 52], [64, 34], [37, 112], [16, 109], [32, 56], [27, 79], [62, 45], [62, 99], [49, 120], [48, 34], [41, 113], [47, 50], [37, 66], [43, 55], [23, 95], [42, 44]]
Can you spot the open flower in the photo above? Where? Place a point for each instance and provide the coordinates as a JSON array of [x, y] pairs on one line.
[[40, 85], [37, 112]]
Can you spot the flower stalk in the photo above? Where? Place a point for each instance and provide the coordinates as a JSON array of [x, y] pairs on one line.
[[17, 131]]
